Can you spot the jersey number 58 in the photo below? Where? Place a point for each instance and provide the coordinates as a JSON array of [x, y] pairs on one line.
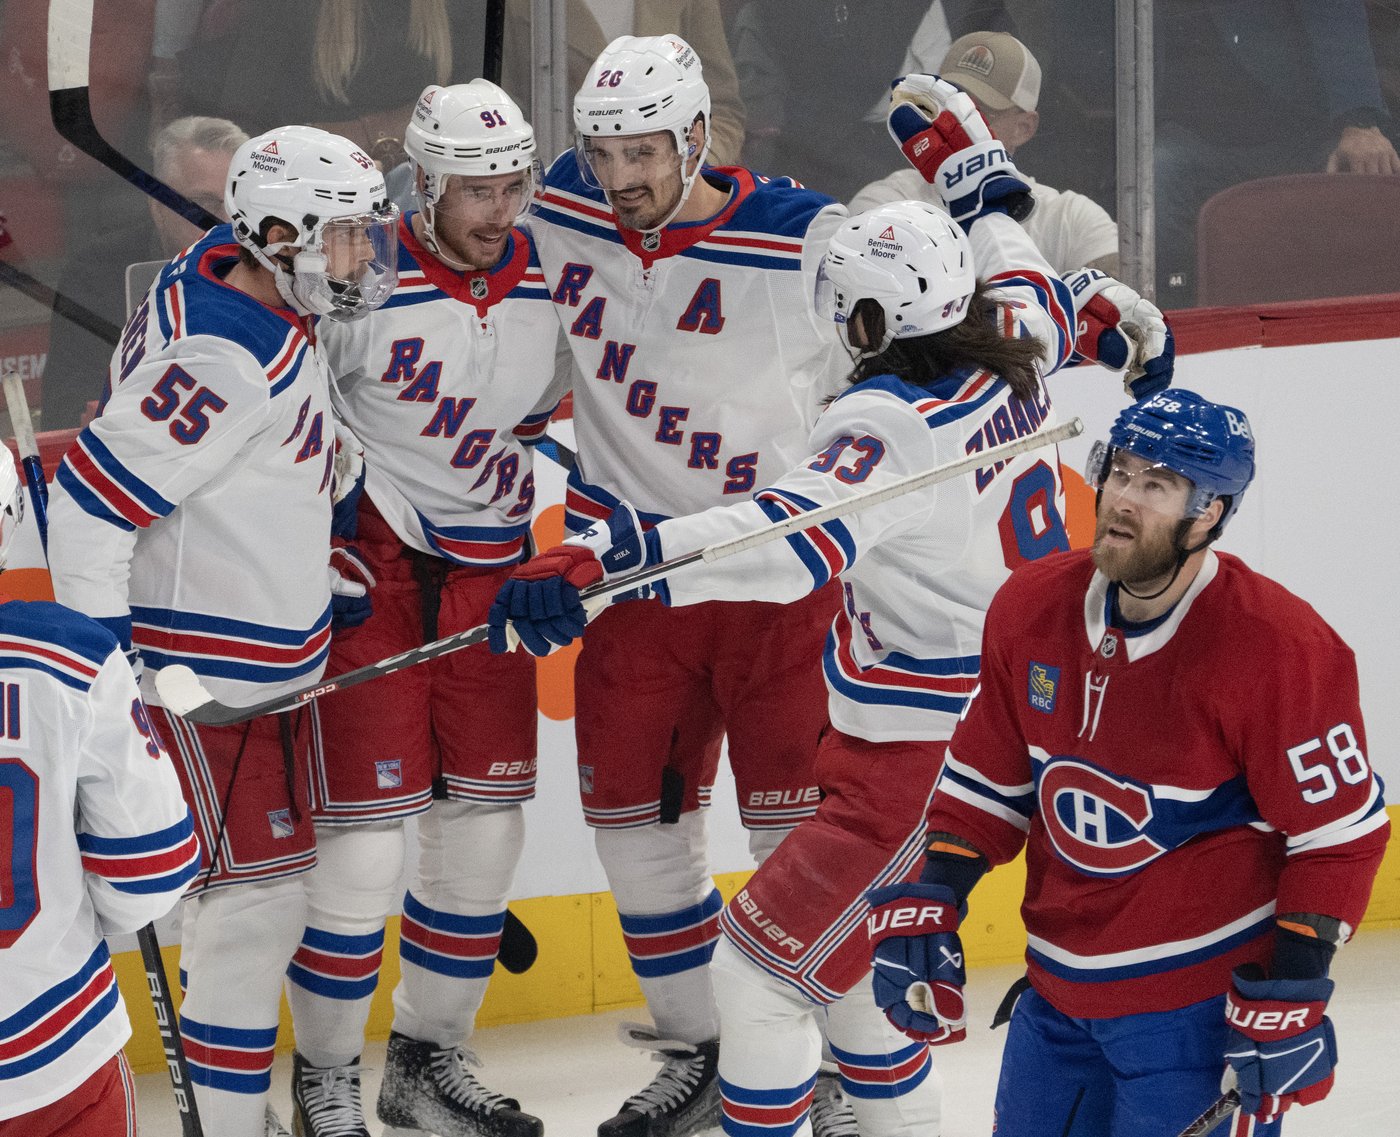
[[1346, 757]]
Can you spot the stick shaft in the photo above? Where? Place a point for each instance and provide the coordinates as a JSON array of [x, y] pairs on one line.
[[214, 713], [1218, 1111], [69, 50]]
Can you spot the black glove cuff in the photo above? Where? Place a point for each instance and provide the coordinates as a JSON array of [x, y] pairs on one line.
[[955, 871], [1297, 956]]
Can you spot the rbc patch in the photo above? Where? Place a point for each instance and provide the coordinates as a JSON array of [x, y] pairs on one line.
[[388, 774], [1042, 687], [585, 779], [280, 821]]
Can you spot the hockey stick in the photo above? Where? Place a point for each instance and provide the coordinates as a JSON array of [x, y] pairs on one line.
[[161, 1000], [41, 293], [492, 51], [70, 105], [183, 694], [1219, 1110]]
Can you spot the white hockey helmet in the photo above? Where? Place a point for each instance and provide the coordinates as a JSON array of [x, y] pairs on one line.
[[11, 504], [642, 85], [909, 258], [472, 130], [330, 192]]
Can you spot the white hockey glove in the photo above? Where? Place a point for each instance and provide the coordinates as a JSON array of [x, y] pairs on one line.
[[347, 481], [1118, 329], [945, 138]]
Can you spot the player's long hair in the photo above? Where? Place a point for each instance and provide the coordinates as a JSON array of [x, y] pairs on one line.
[[977, 342], [340, 42]]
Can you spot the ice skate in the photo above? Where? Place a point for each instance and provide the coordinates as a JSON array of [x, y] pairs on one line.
[[326, 1100], [682, 1099], [831, 1114], [427, 1089], [272, 1124]]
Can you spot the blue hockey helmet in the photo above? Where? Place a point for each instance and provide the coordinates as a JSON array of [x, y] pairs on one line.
[[1208, 443]]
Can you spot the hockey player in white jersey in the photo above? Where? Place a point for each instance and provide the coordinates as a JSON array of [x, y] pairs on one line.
[[192, 517], [447, 386], [98, 840], [684, 292], [949, 364]]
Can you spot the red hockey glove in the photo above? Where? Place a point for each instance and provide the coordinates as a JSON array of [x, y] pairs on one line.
[[945, 138]]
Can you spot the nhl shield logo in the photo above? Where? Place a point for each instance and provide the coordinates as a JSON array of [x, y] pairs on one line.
[[651, 241], [280, 821], [388, 774], [479, 288]]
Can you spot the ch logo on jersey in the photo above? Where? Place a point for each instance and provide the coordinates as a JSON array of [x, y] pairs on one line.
[[1042, 686], [280, 822], [388, 774], [1096, 822]]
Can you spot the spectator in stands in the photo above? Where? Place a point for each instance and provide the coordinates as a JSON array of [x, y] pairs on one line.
[[700, 24], [1001, 75], [1253, 88], [814, 77], [191, 155]]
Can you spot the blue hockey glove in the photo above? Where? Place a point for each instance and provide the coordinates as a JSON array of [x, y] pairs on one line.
[[1117, 328], [351, 580], [540, 603], [945, 138], [918, 960], [1281, 1049]]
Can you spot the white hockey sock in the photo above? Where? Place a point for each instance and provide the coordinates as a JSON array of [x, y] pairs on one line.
[[890, 1079], [452, 917], [669, 909], [769, 1050], [332, 977], [235, 946]]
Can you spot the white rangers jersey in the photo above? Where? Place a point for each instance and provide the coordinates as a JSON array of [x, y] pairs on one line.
[[198, 501], [703, 363], [96, 839], [918, 571], [447, 386]]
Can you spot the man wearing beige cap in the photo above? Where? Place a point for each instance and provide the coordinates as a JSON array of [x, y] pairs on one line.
[[1071, 230]]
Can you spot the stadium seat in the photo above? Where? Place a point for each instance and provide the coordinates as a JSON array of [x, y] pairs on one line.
[[1299, 237]]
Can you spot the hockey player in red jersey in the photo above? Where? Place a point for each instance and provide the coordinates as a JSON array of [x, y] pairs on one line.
[[193, 517], [1177, 742], [447, 386], [97, 841], [955, 325]]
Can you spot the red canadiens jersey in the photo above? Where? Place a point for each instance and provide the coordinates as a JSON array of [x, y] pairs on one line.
[[1174, 788]]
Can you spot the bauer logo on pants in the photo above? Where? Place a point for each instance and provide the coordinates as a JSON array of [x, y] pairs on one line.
[[281, 822]]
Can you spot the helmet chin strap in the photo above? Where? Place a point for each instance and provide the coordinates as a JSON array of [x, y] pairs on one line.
[[1183, 554], [687, 184]]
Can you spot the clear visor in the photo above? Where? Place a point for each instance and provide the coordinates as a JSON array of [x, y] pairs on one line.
[[826, 298], [499, 198], [611, 164], [365, 242], [1125, 479], [352, 268]]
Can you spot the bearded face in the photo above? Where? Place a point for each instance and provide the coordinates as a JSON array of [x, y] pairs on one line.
[[1140, 517]]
